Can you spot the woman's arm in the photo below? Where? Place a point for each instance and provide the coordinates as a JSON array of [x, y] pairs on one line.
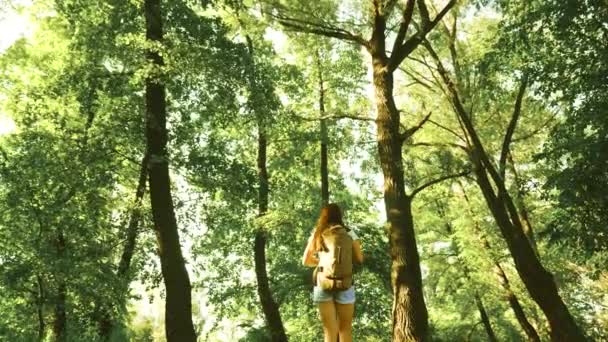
[[309, 258], [357, 253]]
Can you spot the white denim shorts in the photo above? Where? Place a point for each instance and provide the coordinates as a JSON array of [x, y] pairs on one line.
[[341, 297]]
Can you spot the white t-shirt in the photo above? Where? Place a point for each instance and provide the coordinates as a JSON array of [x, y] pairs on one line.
[[353, 235]]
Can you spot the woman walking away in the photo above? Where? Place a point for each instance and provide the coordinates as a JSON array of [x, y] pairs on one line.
[[333, 248]]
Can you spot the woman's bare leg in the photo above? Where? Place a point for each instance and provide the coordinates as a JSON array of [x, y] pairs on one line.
[[345, 321], [328, 318]]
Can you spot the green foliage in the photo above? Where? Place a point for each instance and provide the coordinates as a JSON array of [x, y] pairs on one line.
[[558, 37], [68, 172]]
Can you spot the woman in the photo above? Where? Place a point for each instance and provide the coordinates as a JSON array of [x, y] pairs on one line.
[[335, 307]]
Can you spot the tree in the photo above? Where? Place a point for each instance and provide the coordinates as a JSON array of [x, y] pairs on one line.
[[68, 191], [491, 180], [554, 36], [178, 314], [410, 320], [269, 306]]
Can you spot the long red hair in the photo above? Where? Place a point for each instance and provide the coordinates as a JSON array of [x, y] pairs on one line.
[[331, 215]]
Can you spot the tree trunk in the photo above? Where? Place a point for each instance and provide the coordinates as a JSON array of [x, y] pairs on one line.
[[324, 138], [527, 223], [503, 280], [410, 316], [538, 281], [134, 220], [485, 319], [107, 322], [178, 306], [324, 167], [60, 322], [270, 308], [515, 305], [40, 308]]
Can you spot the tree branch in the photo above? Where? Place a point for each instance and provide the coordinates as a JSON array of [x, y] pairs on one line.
[[420, 79], [512, 125], [447, 129], [536, 131], [405, 23], [424, 15], [438, 180], [388, 7], [441, 14], [322, 29], [404, 50], [444, 145], [422, 62], [412, 130], [335, 117]]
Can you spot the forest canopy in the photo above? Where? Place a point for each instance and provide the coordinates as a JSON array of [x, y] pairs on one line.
[[163, 165]]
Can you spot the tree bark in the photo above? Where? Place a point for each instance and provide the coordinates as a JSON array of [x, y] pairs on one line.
[[324, 164], [178, 306], [538, 281], [410, 316], [324, 137], [270, 308], [503, 280]]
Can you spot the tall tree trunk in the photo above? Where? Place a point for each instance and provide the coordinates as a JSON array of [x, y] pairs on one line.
[[40, 308], [324, 164], [410, 316], [60, 321], [503, 280], [107, 322], [178, 306], [485, 319], [518, 310], [538, 281], [324, 137], [134, 220], [270, 308], [527, 223]]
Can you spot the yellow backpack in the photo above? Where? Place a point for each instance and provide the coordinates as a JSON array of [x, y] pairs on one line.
[[335, 269]]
